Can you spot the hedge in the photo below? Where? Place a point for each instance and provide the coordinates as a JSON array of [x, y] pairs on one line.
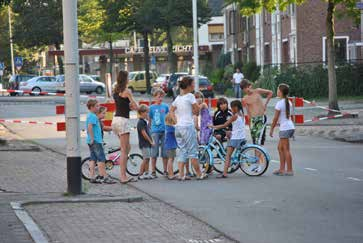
[[311, 81]]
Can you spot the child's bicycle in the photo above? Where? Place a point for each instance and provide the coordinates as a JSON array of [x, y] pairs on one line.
[[252, 159], [112, 158]]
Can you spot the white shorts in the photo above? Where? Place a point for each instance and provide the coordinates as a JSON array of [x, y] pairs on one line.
[[120, 125]]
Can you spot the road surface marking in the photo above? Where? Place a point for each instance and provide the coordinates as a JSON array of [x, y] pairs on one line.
[[353, 179], [311, 169], [275, 161]]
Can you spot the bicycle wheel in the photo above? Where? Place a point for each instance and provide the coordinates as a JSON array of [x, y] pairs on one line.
[[253, 161], [85, 168], [204, 160], [160, 166], [133, 164]]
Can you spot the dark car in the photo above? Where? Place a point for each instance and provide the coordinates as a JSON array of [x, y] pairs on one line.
[[173, 80], [205, 86], [15, 81]]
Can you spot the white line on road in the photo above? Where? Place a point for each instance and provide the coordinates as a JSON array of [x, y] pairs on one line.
[[275, 161], [311, 169], [353, 179]]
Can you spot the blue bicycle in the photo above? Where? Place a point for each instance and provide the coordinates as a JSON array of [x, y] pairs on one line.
[[252, 159]]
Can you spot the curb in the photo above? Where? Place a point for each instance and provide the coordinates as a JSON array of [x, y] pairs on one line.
[[34, 230]]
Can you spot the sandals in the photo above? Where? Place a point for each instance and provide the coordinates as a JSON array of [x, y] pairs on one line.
[[278, 173], [171, 178], [221, 176], [202, 177], [130, 179]]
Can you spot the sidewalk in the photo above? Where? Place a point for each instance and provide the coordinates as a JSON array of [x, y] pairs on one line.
[[39, 174]]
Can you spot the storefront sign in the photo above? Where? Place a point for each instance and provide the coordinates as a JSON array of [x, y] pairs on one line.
[[159, 49]]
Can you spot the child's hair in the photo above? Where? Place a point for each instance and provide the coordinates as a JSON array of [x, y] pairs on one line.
[[185, 82], [238, 104], [142, 109], [158, 92], [284, 89], [170, 119], [245, 84], [199, 95], [101, 109], [220, 102], [91, 103]]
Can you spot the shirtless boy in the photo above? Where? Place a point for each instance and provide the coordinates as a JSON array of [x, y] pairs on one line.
[[256, 110]]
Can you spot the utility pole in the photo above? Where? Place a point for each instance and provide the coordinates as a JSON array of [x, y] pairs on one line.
[[195, 46], [11, 43], [71, 64]]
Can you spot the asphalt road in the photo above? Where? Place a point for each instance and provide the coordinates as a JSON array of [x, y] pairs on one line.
[[323, 202]]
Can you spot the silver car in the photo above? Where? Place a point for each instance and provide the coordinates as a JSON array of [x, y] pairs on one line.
[[41, 84], [87, 84]]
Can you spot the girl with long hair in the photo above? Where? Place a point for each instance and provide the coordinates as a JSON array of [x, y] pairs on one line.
[[124, 102]]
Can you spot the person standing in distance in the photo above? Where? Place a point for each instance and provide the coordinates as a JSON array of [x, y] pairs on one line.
[[237, 79]]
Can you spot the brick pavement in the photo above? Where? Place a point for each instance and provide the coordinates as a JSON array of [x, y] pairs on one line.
[[40, 174], [148, 221]]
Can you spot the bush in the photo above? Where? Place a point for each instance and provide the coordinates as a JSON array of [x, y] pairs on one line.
[[311, 81], [251, 71], [224, 60]]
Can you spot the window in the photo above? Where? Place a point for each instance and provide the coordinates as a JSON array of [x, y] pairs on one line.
[[140, 76], [267, 54], [285, 52], [86, 79], [44, 79], [341, 48], [216, 37]]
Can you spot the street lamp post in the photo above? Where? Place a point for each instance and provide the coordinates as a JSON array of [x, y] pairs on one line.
[[195, 45], [71, 64], [11, 43]]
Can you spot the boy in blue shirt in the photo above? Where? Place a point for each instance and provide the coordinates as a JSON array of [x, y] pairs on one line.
[[157, 115], [94, 141]]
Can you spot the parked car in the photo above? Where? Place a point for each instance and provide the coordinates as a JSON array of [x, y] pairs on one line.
[[137, 80], [15, 81], [161, 82], [205, 86], [96, 77], [173, 80], [41, 84], [86, 84]]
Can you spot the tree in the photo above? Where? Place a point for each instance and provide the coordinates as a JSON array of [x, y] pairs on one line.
[[135, 15], [94, 28], [248, 7], [38, 23], [175, 14]]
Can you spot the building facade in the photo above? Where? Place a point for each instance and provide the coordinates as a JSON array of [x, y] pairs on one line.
[[297, 35]]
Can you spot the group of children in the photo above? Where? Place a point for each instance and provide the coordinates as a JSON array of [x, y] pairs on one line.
[[156, 130]]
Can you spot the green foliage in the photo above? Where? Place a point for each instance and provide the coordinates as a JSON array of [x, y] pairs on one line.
[[311, 81], [251, 71], [37, 23], [224, 60]]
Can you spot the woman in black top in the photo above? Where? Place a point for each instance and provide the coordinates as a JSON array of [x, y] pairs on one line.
[[220, 117], [124, 102]]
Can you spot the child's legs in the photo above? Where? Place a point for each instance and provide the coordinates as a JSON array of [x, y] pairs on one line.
[[163, 151], [102, 168], [170, 168], [196, 167], [228, 160], [181, 169], [92, 166], [145, 162], [155, 150], [280, 148], [187, 167], [287, 154]]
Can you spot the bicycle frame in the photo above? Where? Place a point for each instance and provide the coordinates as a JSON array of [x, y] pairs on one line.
[[215, 144]]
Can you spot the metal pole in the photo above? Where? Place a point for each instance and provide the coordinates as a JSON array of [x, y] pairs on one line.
[[195, 45], [72, 96], [11, 43]]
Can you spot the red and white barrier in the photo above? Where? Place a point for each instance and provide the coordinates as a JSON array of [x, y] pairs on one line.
[[27, 122]]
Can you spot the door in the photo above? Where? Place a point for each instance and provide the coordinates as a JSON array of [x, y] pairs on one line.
[[86, 84], [52, 84], [140, 84], [43, 83]]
